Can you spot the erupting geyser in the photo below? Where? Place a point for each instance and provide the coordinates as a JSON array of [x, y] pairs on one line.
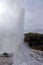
[[11, 26]]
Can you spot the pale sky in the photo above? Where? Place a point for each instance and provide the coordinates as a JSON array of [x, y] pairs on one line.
[[33, 16]]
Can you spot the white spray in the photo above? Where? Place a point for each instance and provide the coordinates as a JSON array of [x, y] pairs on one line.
[[11, 25]]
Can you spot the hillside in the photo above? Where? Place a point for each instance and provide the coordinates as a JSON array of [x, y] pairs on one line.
[[35, 40]]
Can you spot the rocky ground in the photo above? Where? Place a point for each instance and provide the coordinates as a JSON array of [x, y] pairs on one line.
[[6, 59], [23, 55]]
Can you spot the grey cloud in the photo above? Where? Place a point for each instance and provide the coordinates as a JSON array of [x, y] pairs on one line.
[[33, 15]]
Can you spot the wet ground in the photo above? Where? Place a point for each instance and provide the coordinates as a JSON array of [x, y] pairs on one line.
[[23, 55]]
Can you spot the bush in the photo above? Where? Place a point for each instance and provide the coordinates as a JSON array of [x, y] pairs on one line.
[[34, 40]]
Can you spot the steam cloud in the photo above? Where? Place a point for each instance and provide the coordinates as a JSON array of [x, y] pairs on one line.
[[11, 25]]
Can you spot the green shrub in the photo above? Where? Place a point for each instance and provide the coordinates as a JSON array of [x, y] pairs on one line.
[[34, 40]]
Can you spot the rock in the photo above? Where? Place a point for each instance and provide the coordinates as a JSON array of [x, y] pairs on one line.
[[6, 54]]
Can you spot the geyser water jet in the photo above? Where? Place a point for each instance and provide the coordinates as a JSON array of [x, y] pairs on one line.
[[11, 26]]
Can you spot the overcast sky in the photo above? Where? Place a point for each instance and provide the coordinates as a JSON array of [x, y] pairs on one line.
[[33, 16]]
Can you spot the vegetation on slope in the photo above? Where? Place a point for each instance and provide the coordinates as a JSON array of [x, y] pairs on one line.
[[35, 40]]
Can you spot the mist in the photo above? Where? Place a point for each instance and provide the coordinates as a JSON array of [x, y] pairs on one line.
[[11, 25]]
